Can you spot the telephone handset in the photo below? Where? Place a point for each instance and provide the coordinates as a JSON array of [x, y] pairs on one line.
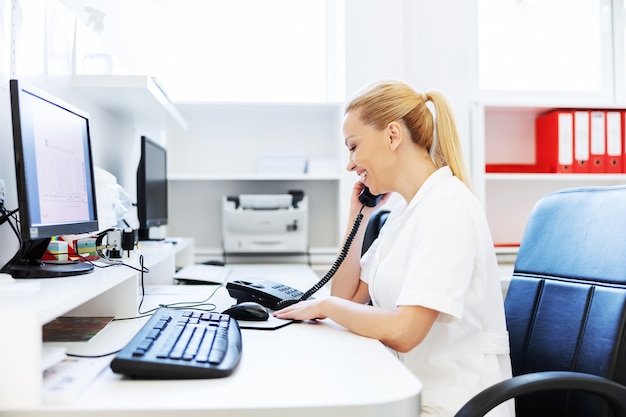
[[275, 295], [369, 199]]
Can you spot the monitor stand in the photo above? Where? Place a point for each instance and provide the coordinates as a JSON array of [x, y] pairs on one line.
[[27, 263]]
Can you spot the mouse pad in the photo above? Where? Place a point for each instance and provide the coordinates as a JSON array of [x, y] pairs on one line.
[[270, 324]]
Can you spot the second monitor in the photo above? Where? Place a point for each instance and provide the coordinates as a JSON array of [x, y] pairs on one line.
[[151, 187]]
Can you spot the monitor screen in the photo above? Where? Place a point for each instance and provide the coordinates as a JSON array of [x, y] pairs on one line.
[[151, 187], [54, 178]]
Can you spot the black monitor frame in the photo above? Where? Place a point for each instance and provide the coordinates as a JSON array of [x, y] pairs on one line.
[[36, 232], [152, 194]]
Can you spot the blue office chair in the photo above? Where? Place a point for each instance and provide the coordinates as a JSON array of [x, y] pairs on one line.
[[566, 310], [374, 225]]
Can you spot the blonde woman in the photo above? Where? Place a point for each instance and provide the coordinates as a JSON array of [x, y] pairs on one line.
[[431, 275]]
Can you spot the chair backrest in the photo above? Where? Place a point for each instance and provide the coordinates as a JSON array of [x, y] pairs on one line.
[[566, 304], [374, 224]]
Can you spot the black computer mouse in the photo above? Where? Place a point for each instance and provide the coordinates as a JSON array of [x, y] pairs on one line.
[[248, 311], [214, 262]]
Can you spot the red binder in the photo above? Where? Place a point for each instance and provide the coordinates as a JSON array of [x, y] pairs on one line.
[[554, 140], [614, 141], [581, 141], [597, 142]]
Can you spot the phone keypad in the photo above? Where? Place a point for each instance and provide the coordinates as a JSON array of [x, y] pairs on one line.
[[285, 289]]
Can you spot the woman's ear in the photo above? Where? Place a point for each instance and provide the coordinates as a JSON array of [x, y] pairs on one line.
[[395, 135]]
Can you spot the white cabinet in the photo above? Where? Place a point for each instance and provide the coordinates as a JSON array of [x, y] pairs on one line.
[[218, 155], [112, 291]]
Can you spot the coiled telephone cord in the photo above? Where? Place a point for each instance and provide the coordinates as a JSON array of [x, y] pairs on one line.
[[333, 269]]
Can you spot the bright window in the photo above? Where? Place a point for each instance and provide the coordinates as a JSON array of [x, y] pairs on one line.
[[216, 50], [542, 45]]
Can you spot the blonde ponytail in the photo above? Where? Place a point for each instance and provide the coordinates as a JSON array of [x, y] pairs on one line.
[[446, 149]]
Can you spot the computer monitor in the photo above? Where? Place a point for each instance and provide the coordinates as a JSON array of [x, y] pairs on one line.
[[55, 179], [151, 187]]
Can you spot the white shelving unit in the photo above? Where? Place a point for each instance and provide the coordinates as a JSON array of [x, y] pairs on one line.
[[513, 89], [504, 134], [324, 176], [218, 155], [213, 150], [137, 99]]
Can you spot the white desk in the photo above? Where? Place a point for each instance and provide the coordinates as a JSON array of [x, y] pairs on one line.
[[303, 369]]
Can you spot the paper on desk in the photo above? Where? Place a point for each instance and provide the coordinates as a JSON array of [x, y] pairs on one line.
[[63, 382], [202, 274]]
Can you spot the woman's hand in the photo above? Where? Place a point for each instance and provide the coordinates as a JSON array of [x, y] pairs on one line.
[[355, 202], [304, 310]]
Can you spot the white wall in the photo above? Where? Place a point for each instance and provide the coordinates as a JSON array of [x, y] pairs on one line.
[[447, 60], [428, 44]]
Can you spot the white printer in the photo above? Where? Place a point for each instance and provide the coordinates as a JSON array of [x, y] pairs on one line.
[[265, 223]]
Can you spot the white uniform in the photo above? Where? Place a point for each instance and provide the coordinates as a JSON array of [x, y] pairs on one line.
[[437, 252]]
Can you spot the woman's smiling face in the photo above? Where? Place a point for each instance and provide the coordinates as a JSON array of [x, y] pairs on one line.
[[367, 147]]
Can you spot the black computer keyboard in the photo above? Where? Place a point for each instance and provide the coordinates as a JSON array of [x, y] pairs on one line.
[[182, 344]]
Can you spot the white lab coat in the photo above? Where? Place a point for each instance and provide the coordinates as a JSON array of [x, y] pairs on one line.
[[437, 252]]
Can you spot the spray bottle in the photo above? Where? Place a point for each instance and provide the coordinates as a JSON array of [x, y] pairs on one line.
[[97, 58]]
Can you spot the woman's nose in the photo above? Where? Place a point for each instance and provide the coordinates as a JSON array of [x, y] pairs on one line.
[[351, 165]]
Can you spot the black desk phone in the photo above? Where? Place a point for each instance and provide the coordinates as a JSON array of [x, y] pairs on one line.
[[275, 295], [265, 292]]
